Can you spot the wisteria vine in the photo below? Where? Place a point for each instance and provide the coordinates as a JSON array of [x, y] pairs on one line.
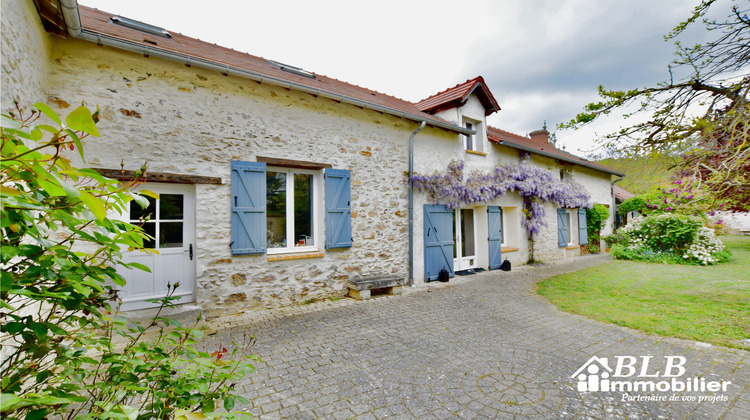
[[535, 185]]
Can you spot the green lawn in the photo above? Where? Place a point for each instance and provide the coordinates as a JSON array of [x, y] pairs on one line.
[[709, 304]]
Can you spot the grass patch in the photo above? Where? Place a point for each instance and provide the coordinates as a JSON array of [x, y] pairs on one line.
[[709, 304]]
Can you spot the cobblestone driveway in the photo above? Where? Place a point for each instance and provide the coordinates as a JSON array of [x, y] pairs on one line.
[[482, 346]]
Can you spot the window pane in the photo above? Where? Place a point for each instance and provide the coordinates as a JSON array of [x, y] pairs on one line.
[[276, 209], [170, 235], [303, 212], [150, 229], [137, 212], [170, 206], [467, 233]]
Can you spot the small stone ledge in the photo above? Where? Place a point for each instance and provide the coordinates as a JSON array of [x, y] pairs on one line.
[[573, 247], [300, 256], [474, 152], [361, 288], [509, 249]]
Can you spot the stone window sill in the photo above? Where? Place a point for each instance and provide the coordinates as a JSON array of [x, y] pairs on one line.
[[299, 256], [508, 249], [572, 247], [476, 153]]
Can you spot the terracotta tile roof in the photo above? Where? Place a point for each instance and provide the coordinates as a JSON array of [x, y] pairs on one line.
[[622, 193], [458, 95], [97, 21], [537, 146]]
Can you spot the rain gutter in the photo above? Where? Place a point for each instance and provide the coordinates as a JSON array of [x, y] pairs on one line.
[[411, 202], [73, 24]]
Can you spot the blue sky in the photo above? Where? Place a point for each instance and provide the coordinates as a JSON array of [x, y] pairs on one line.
[[542, 59]]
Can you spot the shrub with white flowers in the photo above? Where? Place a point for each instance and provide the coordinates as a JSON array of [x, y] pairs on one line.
[[669, 238]]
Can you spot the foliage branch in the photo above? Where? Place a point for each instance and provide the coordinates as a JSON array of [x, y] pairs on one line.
[[596, 218], [701, 112], [66, 352]]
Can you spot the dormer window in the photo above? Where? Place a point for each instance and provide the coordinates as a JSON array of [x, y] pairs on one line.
[[470, 138], [473, 142]]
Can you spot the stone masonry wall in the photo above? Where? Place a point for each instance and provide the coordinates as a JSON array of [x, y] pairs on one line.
[[194, 121], [25, 54]]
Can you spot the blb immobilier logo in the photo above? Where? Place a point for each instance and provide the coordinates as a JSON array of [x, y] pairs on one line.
[[630, 375]]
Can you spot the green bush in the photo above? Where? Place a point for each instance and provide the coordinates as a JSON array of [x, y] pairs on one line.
[[596, 218], [66, 352], [668, 237]]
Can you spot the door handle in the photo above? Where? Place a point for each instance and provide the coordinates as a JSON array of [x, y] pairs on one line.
[[191, 252]]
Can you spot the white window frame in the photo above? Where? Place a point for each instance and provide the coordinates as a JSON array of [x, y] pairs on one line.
[[290, 247], [477, 139], [570, 216], [503, 225]]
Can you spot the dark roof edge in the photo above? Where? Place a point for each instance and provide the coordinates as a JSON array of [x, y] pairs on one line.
[[554, 156], [103, 39]]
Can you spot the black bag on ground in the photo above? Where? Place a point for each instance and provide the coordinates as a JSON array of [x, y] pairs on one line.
[[505, 266], [443, 275]]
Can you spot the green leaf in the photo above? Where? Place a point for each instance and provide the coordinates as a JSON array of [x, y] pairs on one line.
[[8, 401], [141, 200], [46, 110], [8, 122], [13, 327], [36, 134], [228, 403], [130, 412], [52, 189], [37, 414], [77, 142], [39, 329], [70, 189], [148, 193], [81, 120], [94, 204], [138, 266]]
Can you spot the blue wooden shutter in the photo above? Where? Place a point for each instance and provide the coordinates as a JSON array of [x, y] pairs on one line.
[[248, 187], [495, 236], [562, 227], [338, 209], [438, 241], [583, 238]]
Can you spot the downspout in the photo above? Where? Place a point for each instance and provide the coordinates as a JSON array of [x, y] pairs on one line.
[[411, 202], [614, 204]]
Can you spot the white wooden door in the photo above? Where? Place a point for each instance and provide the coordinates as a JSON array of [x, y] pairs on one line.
[[171, 222], [464, 235]]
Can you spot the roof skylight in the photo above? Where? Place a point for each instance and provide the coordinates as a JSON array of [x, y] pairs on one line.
[[291, 69], [140, 26]]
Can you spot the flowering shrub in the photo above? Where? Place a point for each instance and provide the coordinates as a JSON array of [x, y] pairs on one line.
[[534, 184], [66, 352], [669, 238]]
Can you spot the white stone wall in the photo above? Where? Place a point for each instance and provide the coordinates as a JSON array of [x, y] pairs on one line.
[[435, 150], [25, 54], [192, 121]]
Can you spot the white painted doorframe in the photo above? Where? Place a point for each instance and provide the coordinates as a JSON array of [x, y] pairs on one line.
[[172, 223], [460, 261]]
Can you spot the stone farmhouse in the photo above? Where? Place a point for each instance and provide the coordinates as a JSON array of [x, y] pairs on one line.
[[279, 185]]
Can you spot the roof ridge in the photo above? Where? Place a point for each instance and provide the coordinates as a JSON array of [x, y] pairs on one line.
[[476, 79]]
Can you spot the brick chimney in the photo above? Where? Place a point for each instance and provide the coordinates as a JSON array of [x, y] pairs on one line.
[[540, 135]]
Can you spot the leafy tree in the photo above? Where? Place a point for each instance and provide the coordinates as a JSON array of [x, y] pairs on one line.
[[596, 218], [65, 350], [701, 111]]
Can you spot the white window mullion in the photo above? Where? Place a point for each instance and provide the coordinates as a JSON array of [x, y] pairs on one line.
[[290, 242]]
